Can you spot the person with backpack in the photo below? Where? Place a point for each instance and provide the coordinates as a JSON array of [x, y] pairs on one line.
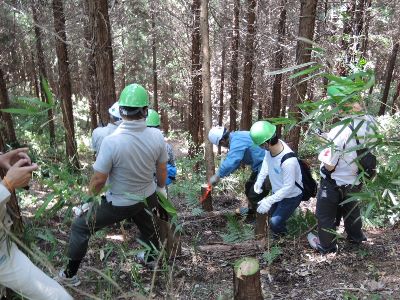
[[283, 169], [340, 176]]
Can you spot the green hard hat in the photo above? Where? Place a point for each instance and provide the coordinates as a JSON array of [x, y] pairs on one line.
[[262, 131], [153, 118], [134, 95]]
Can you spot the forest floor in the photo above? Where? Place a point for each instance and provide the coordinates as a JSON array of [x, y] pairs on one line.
[[370, 271]]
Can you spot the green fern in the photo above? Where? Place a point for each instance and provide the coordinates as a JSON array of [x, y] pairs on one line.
[[236, 231], [271, 255]]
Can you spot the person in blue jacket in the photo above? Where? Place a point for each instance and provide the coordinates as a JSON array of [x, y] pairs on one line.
[[242, 150]]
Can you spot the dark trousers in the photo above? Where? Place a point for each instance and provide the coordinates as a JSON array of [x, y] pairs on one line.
[[329, 199], [105, 215], [252, 196], [281, 211]]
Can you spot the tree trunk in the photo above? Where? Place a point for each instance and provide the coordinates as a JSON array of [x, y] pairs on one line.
[[233, 107], [221, 90], [389, 73], [277, 85], [90, 69], [103, 57], [10, 137], [34, 80], [303, 55], [42, 72], [246, 279], [206, 202], [65, 83], [345, 43], [358, 24], [395, 97], [367, 20], [206, 79], [195, 118], [247, 103], [154, 53]]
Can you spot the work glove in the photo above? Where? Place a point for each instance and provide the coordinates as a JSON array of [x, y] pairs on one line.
[[258, 187], [264, 206], [214, 179], [162, 191]]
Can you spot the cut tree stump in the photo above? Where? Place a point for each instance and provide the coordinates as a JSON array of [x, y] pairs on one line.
[[206, 203], [170, 238], [246, 279], [261, 226]]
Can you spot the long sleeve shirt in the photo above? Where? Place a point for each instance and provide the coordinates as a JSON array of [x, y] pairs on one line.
[[283, 177], [4, 216], [241, 150]]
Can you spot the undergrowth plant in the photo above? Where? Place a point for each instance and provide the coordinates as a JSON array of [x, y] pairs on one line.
[[237, 231]]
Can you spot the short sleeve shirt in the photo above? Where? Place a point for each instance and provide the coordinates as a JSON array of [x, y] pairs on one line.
[[129, 156]]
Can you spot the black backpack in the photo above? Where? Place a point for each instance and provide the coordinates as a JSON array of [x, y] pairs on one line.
[[366, 160], [309, 184]]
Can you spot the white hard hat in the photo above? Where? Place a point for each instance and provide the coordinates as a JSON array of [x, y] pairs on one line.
[[215, 134], [114, 110]]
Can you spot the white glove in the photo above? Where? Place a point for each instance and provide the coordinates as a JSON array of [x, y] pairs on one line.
[[162, 191], [80, 210], [214, 179], [264, 206], [258, 187]]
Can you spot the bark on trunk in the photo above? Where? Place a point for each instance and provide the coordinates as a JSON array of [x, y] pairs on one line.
[[395, 106], [277, 85], [195, 116], [221, 89], [90, 69], [65, 83], [10, 136], [103, 57], [367, 20], [246, 280], [303, 55], [170, 238], [261, 226], [206, 79], [247, 103], [206, 203], [42, 72], [233, 107], [389, 73]]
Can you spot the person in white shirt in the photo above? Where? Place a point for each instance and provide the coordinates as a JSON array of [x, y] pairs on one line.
[[17, 272], [284, 175], [101, 132], [339, 178]]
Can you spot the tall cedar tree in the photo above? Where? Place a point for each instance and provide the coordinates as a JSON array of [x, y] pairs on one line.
[[65, 83], [195, 115], [303, 55], [278, 64], [103, 57], [206, 80], [234, 66], [42, 71], [389, 74], [154, 53], [247, 95], [90, 68]]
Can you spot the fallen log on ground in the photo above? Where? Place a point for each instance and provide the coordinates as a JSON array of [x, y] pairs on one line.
[[221, 247]]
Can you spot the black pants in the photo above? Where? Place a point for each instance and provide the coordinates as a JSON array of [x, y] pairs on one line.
[[105, 215], [252, 196], [329, 197]]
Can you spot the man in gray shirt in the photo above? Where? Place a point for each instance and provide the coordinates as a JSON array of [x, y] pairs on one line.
[[127, 162]]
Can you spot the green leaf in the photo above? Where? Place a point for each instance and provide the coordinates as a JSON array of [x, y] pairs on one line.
[[167, 205], [306, 71], [286, 70], [47, 91], [32, 102], [22, 111], [43, 207]]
